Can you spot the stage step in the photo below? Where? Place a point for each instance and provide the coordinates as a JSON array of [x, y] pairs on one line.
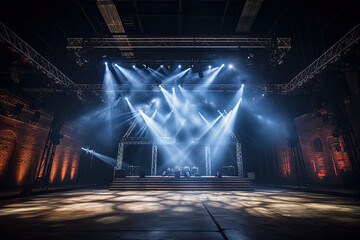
[[181, 184]]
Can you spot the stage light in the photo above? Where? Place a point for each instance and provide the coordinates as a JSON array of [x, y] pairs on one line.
[[209, 66], [223, 65], [144, 65], [230, 66], [161, 66], [263, 95], [179, 66], [126, 99], [173, 88], [179, 86], [133, 66], [192, 66], [242, 85], [160, 86], [248, 57], [116, 64], [106, 63]]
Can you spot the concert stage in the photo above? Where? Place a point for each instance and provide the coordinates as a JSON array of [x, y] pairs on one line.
[[208, 183]]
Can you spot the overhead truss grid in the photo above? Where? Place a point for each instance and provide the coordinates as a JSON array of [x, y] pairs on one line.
[[130, 43], [34, 58]]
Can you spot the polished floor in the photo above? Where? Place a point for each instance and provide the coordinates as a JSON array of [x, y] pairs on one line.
[[102, 214]]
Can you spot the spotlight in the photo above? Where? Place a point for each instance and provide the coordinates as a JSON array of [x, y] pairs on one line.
[[173, 88], [179, 66], [179, 86], [263, 95], [192, 66], [126, 98], [209, 66], [249, 57], [144, 65], [242, 85], [230, 66], [106, 63], [160, 86], [116, 65], [133, 66], [161, 66], [223, 65]]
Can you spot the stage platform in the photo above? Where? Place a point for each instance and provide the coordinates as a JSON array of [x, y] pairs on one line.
[[158, 183]]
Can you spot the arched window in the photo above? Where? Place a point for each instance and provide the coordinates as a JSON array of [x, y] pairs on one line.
[[318, 145]]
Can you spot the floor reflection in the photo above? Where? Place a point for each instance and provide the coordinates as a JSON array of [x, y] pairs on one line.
[[239, 213]]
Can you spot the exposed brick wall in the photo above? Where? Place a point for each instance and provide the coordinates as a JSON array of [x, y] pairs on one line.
[[22, 143], [324, 166]]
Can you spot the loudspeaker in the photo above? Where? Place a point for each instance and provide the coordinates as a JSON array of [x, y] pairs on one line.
[[142, 174], [177, 174], [120, 173]]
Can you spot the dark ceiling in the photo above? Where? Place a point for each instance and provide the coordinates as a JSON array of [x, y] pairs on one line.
[[313, 26]]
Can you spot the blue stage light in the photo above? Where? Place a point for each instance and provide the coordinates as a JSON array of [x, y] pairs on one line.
[[133, 66], [161, 66], [230, 66], [106, 63], [223, 65], [242, 85], [179, 86], [179, 66], [209, 66]]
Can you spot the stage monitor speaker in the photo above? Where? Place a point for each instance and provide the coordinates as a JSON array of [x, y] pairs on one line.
[[120, 173], [142, 174], [177, 174]]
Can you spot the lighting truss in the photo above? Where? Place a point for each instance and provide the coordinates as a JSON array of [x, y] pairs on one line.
[[34, 58], [127, 140], [328, 57], [178, 42], [261, 88]]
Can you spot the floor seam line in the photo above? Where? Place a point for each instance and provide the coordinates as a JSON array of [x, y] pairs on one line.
[[220, 229]]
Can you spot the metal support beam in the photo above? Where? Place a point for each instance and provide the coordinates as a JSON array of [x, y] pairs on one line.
[[34, 58], [178, 42], [328, 57], [221, 88], [153, 160], [239, 160], [120, 156], [207, 160]]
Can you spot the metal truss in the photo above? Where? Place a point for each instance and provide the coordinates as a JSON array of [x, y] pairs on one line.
[[120, 156], [261, 88], [34, 58], [178, 42], [239, 160], [207, 160], [153, 160], [330, 56]]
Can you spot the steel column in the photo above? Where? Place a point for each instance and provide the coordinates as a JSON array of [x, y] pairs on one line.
[[208, 160], [239, 160], [120, 156], [153, 160]]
